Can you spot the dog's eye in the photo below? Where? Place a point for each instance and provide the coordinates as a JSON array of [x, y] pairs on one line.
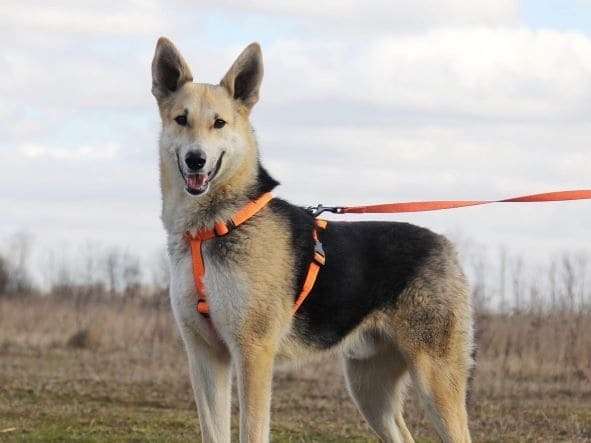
[[219, 123], [181, 120]]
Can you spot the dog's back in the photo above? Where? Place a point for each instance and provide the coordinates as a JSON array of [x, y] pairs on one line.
[[373, 268]]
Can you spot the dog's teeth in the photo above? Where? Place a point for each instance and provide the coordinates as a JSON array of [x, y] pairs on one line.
[[193, 232], [197, 181]]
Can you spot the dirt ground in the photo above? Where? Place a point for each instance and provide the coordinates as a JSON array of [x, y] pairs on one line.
[[118, 373]]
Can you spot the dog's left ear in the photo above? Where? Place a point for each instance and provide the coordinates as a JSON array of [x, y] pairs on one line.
[[244, 78]]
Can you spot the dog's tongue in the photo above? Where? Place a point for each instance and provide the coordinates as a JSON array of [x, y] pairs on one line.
[[197, 182]]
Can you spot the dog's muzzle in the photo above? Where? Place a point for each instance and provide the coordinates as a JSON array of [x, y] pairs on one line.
[[197, 183]]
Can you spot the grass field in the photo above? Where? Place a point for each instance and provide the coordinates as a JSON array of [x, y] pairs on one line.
[[117, 372]]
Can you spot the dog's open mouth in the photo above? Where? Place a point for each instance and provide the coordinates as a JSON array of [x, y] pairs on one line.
[[197, 184]]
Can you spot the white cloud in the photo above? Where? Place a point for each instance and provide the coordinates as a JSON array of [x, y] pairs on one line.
[[389, 13], [90, 17], [422, 162], [84, 152], [462, 69], [500, 73]]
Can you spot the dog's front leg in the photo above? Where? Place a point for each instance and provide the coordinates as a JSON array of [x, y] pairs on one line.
[[210, 369], [254, 373]]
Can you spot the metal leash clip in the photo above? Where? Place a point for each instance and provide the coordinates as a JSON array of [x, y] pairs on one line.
[[317, 210]]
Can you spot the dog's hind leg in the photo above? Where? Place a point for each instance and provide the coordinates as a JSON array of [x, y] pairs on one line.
[[441, 383], [210, 371], [377, 385]]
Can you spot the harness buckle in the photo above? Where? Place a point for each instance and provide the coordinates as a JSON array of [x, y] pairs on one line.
[[319, 256], [319, 209], [222, 228]]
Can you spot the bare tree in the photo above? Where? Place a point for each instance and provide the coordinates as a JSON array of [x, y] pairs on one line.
[[92, 282], [112, 265], [122, 271], [17, 262], [517, 280], [131, 275], [503, 278], [4, 276], [161, 276]]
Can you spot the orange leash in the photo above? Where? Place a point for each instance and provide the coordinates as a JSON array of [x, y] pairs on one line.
[[581, 194]]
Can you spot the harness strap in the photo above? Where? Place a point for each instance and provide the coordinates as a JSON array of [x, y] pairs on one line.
[[220, 229], [198, 273], [314, 267]]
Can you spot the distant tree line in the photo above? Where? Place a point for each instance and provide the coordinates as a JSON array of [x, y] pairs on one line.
[[500, 281], [90, 272]]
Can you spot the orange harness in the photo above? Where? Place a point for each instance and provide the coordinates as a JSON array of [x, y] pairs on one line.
[[220, 229]]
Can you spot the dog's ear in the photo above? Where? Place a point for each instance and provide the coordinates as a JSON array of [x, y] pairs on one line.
[[244, 78], [169, 69]]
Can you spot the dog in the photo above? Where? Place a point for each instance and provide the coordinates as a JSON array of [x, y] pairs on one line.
[[390, 301]]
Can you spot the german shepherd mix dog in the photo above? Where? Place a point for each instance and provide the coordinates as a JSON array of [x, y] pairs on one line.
[[391, 300]]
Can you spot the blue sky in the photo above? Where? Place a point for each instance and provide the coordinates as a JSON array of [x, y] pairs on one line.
[[384, 101], [570, 15]]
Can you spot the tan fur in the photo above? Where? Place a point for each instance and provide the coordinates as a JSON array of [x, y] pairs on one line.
[[269, 269], [427, 337]]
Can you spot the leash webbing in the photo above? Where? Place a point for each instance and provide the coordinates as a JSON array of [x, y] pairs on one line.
[[436, 205]]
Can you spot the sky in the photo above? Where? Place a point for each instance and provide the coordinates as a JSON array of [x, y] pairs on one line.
[[362, 102]]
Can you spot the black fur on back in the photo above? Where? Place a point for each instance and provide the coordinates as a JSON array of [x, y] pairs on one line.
[[368, 265]]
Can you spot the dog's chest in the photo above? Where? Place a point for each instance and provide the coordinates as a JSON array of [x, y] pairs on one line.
[[226, 289], [226, 286]]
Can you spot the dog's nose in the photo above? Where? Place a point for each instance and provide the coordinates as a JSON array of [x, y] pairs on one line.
[[195, 160]]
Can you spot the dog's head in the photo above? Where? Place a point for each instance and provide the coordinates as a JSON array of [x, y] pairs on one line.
[[206, 134]]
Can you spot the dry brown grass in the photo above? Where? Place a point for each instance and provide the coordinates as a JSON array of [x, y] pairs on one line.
[[117, 372]]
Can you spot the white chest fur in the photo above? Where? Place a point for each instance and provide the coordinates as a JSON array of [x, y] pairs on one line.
[[226, 289]]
